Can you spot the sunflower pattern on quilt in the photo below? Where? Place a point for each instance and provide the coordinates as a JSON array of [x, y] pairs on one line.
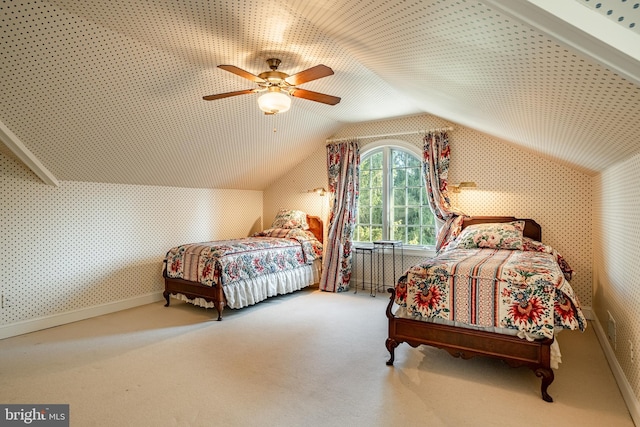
[[522, 290], [224, 261]]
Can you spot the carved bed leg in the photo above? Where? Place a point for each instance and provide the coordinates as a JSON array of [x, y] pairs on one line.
[[167, 296], [219, 301], [391, 346], [547, 378], [390, 342], [219, 307], [392, 298]]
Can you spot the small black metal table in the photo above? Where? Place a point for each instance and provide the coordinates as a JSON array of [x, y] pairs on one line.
[[364, 251], [379, 247]]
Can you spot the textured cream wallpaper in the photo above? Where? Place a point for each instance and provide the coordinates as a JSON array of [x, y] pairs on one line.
[[86, 244], [617, 260], [291, 190], [510, 181], [516, 182]]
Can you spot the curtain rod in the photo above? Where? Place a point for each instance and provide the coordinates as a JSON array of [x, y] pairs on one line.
[[425, 131]]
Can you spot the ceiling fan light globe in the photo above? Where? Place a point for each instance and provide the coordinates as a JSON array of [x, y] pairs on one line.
[[274, 102]]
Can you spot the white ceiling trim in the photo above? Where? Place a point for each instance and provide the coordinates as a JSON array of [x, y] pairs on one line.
[[590, 33], [18, 148]]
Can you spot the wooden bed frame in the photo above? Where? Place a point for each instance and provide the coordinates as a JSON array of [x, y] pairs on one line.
[[467, 343], [215, 294]]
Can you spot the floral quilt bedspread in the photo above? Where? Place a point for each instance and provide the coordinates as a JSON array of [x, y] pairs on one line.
[[225, 261], [523, 290]]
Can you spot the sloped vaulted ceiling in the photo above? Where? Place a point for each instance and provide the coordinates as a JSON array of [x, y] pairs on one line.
[[111, 91]]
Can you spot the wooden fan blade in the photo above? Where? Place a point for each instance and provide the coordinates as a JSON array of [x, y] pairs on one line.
[[242, 73], [315, 96], [227, 94], [309, 74]]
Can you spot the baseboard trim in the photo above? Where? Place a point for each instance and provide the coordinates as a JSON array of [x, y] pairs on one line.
[[33, 325], [623, 384]]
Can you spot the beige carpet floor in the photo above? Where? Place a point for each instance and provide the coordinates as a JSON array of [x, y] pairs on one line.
[[305, 359]]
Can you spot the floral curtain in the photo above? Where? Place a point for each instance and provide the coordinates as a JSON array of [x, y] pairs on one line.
[[343, 164], [435, 164]]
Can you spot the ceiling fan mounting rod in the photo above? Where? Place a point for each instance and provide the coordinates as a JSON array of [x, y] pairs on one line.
[[274, 63], [274, 77]]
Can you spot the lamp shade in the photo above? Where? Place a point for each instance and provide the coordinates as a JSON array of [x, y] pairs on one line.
[[274, 102]]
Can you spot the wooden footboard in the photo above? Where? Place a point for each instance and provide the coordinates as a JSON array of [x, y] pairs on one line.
[[467, 343], [192, 290]]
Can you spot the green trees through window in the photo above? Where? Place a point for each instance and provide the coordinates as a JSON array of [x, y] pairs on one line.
[[393, 200], [369, 227]]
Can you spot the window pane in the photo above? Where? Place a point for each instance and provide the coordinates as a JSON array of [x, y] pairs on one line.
[[376, 233], [399, 198], [376, 216], [414, 162], [365, 164], [399, 178], [364, 233], [413, 235], [414, 179], [376, 198], [365, 178], [428, 236], [376, 178], [364, 216], [376, 160], [413, 196], [365, 197], [413, 216], [427, 217], [398, 159]]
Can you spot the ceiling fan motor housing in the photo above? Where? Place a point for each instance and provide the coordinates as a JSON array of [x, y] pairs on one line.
[[273, 77]]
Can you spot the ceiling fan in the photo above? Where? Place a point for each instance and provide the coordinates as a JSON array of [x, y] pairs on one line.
[[276, 85]]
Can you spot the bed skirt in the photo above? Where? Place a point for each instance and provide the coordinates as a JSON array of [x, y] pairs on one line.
[[251, 291]]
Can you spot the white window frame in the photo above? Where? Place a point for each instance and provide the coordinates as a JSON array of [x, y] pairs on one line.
[[411, 250]]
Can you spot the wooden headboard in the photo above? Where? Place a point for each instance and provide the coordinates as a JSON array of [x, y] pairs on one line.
[[532, 229], [316, 226]]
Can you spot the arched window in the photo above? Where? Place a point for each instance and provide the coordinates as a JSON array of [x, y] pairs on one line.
[[393, 201]]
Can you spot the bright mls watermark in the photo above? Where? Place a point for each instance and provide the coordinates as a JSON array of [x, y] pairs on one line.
[[34, 415]]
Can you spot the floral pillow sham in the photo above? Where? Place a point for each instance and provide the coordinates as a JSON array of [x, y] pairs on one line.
[[289, 218], [507, 235]]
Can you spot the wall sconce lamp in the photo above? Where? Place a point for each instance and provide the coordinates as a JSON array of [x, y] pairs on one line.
[[320, 191], [465, 184]]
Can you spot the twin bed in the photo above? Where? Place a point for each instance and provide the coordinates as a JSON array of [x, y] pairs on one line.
[[493, 291], [241, 272]]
